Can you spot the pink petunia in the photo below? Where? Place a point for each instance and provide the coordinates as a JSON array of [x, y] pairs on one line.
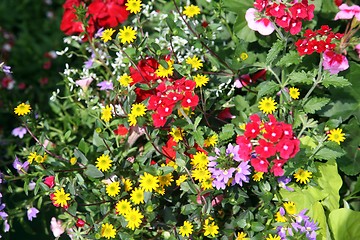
[[263, 25], [357, 48], [334, 62], [348, 12]]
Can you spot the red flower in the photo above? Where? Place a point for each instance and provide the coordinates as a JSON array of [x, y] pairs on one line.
[[142, 94], [283, 21], [165, 110], [273, 132], [277, 169], [159, 121], [70, 24], [276, 10], [168, 149], [252, 130], [298, 10], [295, 26], [261, 4], [145, 71], [108, 13], [190, 100], [265, 149], [287, 148], [260, 165], [50, 181], [245, 147], [121, 130], [225, 114], [80, 223]]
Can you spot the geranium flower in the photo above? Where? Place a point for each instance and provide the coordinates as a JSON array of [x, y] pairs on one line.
[[49, 181]]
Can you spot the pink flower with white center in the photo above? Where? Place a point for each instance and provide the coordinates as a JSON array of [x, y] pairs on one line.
[[357, 48], [334, 62], [263, 25], [348, 12]]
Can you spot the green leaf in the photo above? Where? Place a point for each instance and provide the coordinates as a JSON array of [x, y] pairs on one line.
[[78, 154], [289, 59], [237, 5], [242, 31], [227, 132], [334, 80], [301, 77], [274, 52], [93, 172], [344, 224], [257, 226], [330, 181], [267, 87], [330, 151], [199, 137], [307, 141], [241, 104], [314, 104]]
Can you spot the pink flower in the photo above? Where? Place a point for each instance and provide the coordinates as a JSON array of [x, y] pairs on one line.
[[263, 25], [348, 12], [334, 62], [357, 48], [56, 227], [50, 181], [84, 83]]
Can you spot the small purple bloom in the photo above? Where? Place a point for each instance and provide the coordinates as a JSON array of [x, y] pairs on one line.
[[6, 226], [283, 181], [90, 61], [20, 167], [31, 213], [6, 69], [99, 33], [106, 85], [241, 173], [3, 214], [19, 132]]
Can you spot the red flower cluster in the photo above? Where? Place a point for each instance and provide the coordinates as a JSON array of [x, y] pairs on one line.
[[101, 14], [275, 141], [289, 16], [317, 41]]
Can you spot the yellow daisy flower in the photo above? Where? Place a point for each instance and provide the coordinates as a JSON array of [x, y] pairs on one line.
[[113, 189], [279, 217], [165, 72], [200, 160], [61, 198], [103, 163], [127, 184], [106, 35], [290, 208], [133, 6], [195, 62], [241, 236], [127, 35], [191, 11], [200, 174], [294, 93], [207, 183], [138, 109], [106, 114], [201, 80], [210, 229], [267, 105], [148, 182], [125, 80], [108, 231], [73, 160], [123, 207], [177, 134], [186, 229], [211, 141], [336, 135], [137, 195], [275, 237], [22, 109], [40, 159], [244, 56], [258, 176], [134, 218], [181, 179], [132, 119], [31, 157], [302, 176], [166, 180]]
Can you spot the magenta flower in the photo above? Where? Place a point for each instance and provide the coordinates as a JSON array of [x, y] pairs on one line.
[[334, 62], [263, 25], [348, 12], [357, 48], [31, 213], [19, 132], [105, 85]]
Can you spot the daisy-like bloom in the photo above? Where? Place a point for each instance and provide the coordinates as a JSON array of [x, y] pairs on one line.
[[181, 179], [148, 182], [31, 157], [138, 109], [106, 114], [123, 207], [200, 160], [302, 176], [177, 134], [108, 231], [210, 228], [258, 176], [275, 237], [165, 72], [166, 180], [127, 184], [160, 190], [106, 35], [127, 35], [103, 163], [244, 56], [137, 195], [113, 189], [133, 6], [40, 159], [207, 183], [22, 109], [60, 197], [290, 207], [191, 11], [267, 105], [134, 218], [125, 80], [132, 119], [336, 135], [186, 229], [73, 160], [195, 62], [294, 93], [241, 236], [211, 141], [200, 174], [201, 80]]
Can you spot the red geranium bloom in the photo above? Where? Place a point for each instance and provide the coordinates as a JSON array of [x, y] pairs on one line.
[[265, 149], [165, 110], [159, 121], [260, 165], [190, 100], [108, 13], [70, 24], [277, 169], [142, 94], [252, 130], [168, 149], [276, 10], [121, 130], [287, 148], [245, 147], [273, 132], [145, 71]]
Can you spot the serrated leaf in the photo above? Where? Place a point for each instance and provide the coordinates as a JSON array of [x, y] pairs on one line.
[[301, 77], [314, 104], [227, 132], [241, 104], [267, 87], [289, 59], [199, 137], [93, 172], [274, 52], [330, 151], [307, 141], [335, 81]]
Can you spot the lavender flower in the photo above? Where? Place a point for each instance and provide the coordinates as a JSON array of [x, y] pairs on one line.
[[241, 173], [19, 132], [90, 61], [31, 213], [105, 85], [6, 226], [20, 167], [283, 181], [6, 69]]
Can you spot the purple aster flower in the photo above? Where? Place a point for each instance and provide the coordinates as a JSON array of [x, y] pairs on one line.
[[300, 217], [20, 167], [106, 85], [283, 181], [31, 213], [19, 132], [3, 214], [234, 152], [219, 184], [241, 173]]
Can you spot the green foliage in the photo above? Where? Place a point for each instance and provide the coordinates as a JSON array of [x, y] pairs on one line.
[[315, 104], [344, 224]]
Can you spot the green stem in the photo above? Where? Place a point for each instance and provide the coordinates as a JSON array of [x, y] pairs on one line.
[[317, 81]]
